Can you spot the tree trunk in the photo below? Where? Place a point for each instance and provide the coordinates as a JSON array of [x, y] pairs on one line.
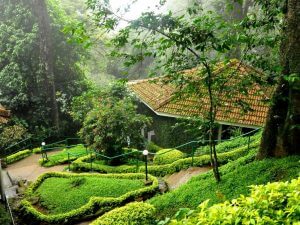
[[46, 55], [281, 135]]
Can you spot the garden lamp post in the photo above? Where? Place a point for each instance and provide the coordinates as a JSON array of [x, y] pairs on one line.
[[44, 154], [145, 153]]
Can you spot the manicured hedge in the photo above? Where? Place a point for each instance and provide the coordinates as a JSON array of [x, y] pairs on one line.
[[151, 147], [274, 203], [18, 156], [137, 213], [167, 156], [95, 206], [37, 150], [62, 156], [161, 170]]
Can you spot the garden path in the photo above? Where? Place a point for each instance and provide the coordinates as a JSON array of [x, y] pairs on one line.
[[177, 179], [29, 168]]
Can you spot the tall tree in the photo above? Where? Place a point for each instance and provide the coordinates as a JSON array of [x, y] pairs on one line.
[[46, 55], [40, 71], [282, 129]]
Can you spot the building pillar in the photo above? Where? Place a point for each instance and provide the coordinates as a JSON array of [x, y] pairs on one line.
[[220, 133]]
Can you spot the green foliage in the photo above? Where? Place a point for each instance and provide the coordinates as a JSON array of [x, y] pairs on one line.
[[23, 80], [37, 150], [10, 135], [236, 177], [137, 213], [93, 205], [18, 156], [84, 103], [4, 216], [78, 191], [152, 147], [62, 156], [229, 145], [167, 156], [83, 163], [273, 203], [109, 126]]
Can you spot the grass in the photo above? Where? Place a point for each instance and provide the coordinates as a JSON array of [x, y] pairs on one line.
[[236, 177], [60, 195], [62, 156], [4, 216]]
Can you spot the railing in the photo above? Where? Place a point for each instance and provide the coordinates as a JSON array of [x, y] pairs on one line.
[[192, 145], [8, 209], [27, 141]]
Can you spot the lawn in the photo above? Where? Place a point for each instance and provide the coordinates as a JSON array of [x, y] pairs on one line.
[[60, 195], [62, 156], [248, 172]]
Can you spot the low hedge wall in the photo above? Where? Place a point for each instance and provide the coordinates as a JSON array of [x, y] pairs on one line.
[[37, 150], [161, 170], [136, 213], [18, 156], [167, 156], [96, 205]]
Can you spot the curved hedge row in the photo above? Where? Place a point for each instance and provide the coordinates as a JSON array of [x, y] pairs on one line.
[[136, 213], [167, 156], [274, 203], [161, 170], [18, 156], [95, 206]]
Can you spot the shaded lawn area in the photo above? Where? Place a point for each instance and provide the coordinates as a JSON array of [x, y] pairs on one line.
[[60, 195], [237, 176]]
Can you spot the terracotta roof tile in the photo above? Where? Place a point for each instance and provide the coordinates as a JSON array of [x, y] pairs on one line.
[[159, 97]]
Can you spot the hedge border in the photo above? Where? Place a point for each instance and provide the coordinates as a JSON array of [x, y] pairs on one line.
[[18, 156], [135, 213], [94, 207], [162, 170]]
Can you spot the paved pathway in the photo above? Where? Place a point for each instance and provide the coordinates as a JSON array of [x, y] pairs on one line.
[[29, 168], [177, 179]]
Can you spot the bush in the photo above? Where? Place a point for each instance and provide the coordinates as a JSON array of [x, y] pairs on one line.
[[274, 203], [167, 156], [82, 164], [229, 144], [95, 206], [37, 150], [136, 213], [151, 147], [236, 176], [4, 216], [18, 156], [62, 156]]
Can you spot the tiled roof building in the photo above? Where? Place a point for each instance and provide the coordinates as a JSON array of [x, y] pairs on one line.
[[158, 96]]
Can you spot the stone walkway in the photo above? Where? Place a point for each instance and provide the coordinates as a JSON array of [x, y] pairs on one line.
[[177, 179], [29, 168]]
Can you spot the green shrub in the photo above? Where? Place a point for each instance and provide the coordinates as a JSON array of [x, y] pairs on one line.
[[37, 150], [151, 147], [167, 156], [62, 156], [136, 213], [236, 176], [96, 205], [4, 216], [83, 164], [274, 203], [18, 156], [229, 144]]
